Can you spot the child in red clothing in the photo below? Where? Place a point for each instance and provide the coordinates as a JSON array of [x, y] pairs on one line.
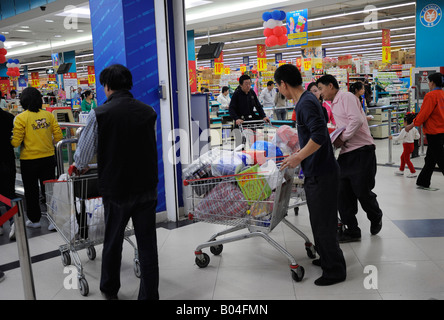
[[408, 145]]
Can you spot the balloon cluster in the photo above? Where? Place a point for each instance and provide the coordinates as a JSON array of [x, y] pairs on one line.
[[275, 32], [13, 66], [3, 51]]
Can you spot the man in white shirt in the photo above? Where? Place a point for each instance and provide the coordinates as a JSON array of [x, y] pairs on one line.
[[267, 95], [224, 98]]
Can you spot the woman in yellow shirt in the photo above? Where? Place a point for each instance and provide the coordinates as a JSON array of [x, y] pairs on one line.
[[36, 131]]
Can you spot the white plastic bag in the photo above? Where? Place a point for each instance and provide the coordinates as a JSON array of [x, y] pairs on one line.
[[271, 173]]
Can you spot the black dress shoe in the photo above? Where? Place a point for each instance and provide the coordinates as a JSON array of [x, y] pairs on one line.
[[316, 262], [327, 282], [350, 236], [376, 227], [109, 296]]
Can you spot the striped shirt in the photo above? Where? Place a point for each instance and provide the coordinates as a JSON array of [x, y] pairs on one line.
[[87, 145]]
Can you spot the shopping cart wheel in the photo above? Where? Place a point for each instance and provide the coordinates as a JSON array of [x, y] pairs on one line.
[[297, 273], [216, 250], [137, 268], [66, 258], [83, 287], [203, 261], [91, 253]]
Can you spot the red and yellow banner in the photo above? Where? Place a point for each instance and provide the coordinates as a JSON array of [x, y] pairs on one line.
[[219, 64], [243, 68], [192, 75], [261, 57], [35, 80], [386, 49], [91, 75]]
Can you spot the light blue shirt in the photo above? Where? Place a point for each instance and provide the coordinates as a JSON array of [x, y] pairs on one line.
[[87, 145]]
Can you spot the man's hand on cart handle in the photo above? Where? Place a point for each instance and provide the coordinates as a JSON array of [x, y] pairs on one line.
[[291, 162], [73, 170], [239, 122], [266, 119]]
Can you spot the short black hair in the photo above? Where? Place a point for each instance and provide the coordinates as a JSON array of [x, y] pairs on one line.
[[270, 83], [311, 85], [327, 79], [116, 77], [225, 88], [289, 74], [243, 78], [13, 92], [31, 99], [409, 117], [436, 78]]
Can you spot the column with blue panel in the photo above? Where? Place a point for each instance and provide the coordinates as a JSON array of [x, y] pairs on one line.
[[124, 32], [429, 33]]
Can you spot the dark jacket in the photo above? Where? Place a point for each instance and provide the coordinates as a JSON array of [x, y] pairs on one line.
[[245, 106], [6, 125], [126, 149]]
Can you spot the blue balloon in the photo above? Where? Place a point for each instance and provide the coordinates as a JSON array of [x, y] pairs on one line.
[[283, 15], [276, 14], [10, 61], [16, 61], [2, 38], [266, 16]]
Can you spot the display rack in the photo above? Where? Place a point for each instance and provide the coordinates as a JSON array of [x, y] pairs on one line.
[[341, 75]]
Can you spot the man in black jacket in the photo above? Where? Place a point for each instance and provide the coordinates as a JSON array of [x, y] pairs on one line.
[[7, 162], [122, 133], [244, 105]]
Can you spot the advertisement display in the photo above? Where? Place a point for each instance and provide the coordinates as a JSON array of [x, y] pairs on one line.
[[386, 49], [297, 28], [261, 57]]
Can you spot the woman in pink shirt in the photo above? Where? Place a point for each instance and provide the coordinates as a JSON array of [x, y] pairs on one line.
[[313, 88]]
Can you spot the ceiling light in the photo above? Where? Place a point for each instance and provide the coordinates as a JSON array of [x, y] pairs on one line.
[[24, 27], [23, 30], [48, 20], [57, 36]]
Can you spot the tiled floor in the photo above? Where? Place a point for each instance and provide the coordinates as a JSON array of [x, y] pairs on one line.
[[406, 259]]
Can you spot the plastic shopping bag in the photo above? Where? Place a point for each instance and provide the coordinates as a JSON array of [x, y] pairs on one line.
[[270, 172]]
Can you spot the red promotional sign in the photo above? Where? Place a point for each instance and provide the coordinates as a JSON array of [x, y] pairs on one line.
[[386, 37], [261, 51]]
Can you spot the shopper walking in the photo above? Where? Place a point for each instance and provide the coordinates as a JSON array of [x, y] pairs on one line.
[[7, 164], [431, 117], [321, 173], [127, 184], [267, 95], [35, 131], [357, 160], [408, 144], [280, 103], [244, 105]]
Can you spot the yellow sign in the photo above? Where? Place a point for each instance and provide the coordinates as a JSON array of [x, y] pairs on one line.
[[243, 68], [35, 83], [386, 55], [261, 64], [307, 64], [91, 79], [218, 67]]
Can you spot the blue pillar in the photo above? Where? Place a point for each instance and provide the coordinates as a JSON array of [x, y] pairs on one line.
[[124, 32], [429, 33]]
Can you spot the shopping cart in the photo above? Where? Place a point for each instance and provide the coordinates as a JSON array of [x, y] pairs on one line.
[[77, 213], [253, 131], [245, 201]]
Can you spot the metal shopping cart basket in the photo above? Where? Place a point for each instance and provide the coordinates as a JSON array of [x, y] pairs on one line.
[[253, 131], [245, 201], [76, 211]]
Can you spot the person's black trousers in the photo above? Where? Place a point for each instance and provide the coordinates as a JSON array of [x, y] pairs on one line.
[[7, 181], [141, 209], [434, 155], [34, 172], [358, 171], [322, 198]]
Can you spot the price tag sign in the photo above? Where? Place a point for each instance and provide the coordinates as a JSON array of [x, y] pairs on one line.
[[307, 64], [261, 64]]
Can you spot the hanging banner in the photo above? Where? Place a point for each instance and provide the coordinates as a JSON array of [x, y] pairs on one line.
[[312, 53], [192, 75], [35, 80], [219, 64], [386, 50], [261, 57], [91, 76], [243, 68], [297, 28], [4, 86]]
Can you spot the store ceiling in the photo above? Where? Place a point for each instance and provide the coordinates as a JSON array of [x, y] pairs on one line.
[[48, 31]]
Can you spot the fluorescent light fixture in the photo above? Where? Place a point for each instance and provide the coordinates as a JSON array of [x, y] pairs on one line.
[[23, 30], [195, 3], [14, 44], [80, 12], [48, 46], [49, 20]]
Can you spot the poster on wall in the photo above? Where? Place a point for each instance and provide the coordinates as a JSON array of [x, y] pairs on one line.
[[70, 84], [386, 49], [4, 86], [297, 28]]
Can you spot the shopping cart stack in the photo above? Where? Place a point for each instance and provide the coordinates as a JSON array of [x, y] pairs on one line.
[[241, 194]]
